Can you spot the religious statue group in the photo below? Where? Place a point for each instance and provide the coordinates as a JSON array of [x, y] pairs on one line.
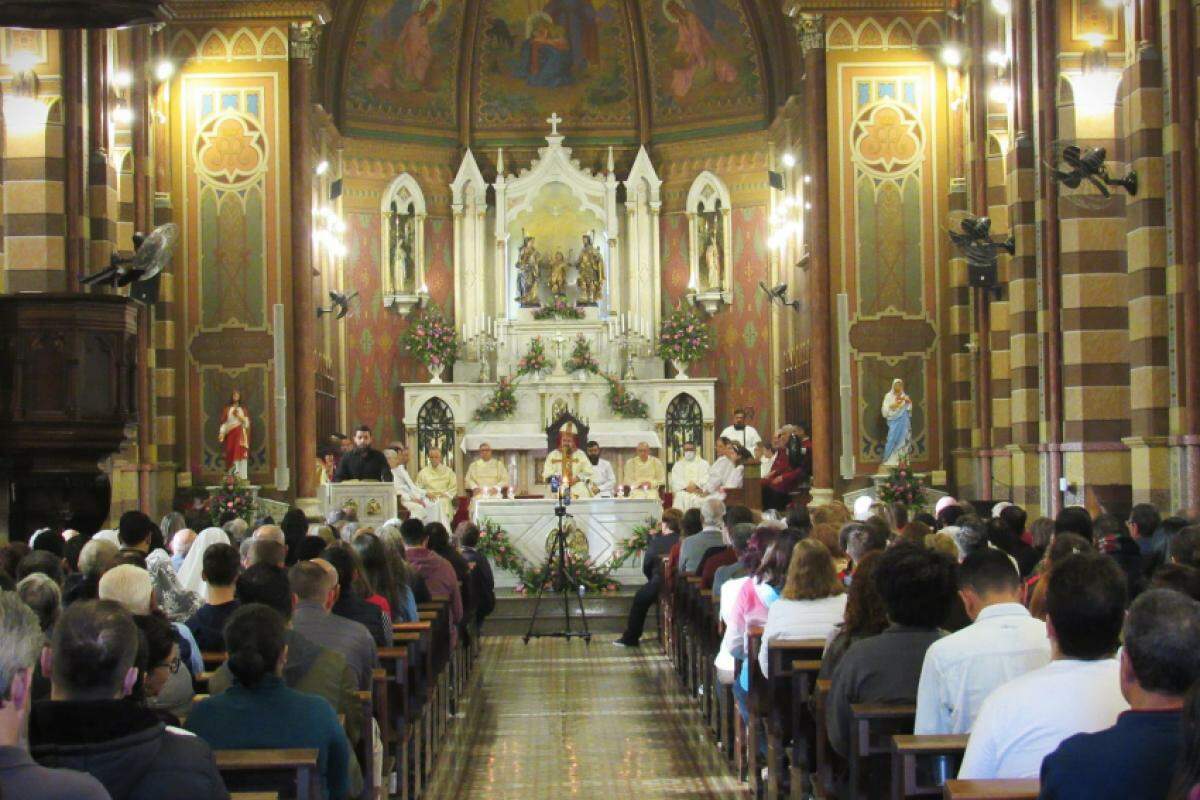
[[536, 269]]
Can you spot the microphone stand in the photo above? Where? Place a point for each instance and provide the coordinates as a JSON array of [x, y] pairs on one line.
[[560, 581]]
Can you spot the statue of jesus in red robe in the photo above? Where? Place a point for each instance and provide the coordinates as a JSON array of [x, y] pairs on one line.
[[234, 436]]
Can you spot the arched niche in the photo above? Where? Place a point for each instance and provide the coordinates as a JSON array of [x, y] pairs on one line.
[[402, 244], [684, 423], [710, 234]]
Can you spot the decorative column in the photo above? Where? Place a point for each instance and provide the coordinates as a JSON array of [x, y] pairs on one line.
[[103, 200], [75, 175], [1023, 307], [302, 49], [823, 428], [980, 300]]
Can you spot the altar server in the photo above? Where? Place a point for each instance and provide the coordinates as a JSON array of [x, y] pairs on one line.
[[720, 470], [439, 482], [645, 474], [604, 479], [570, 466], [411, 495], [687, 479], [486, 476], [741, 433]]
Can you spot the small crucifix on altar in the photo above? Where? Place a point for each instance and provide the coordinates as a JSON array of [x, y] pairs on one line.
[[554, 119]]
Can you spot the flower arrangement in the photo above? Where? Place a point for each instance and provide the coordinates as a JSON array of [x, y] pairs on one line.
[[903, 488], [559, 309], [431, 339], [684, 336], [624, 404], [233, 495], [535, 359], [581, 359], [500, 404]]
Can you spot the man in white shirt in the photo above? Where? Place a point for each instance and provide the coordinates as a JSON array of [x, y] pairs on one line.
[[720, 470], [1079, 691], [603, 480], [1004, 642], [740, 432], [687, 479]]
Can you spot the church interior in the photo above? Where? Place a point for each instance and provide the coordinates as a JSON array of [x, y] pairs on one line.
[[346, 264]]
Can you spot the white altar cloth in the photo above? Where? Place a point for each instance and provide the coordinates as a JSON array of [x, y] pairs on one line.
[[605, 522]]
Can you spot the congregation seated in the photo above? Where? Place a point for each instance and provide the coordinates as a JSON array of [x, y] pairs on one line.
[[1136, 757], [865, 614], [1003, 642], [1024, 720], [694, 547], [482, 579], [315, 586], [916, 586], [436, 571], [812, 603], [92, 724], [352, 603], [647, 595], [440, 544], [394, 598], [392, 539], [723, 555], [719, 571], [221, 565], [260, 711]]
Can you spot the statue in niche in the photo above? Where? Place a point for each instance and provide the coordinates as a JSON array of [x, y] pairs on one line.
[[558, 274], [528, 272], [712, 254], [401, 237], [591, 273]]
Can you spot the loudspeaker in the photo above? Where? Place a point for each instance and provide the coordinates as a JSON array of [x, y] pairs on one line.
[[146, 291], [982, 277], [775, 179]]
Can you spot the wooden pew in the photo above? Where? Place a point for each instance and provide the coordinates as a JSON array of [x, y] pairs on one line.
[[909, 751], [254, 796], [823, 780], [1020, 789], [871, 731], [789, 716], [292, 772]]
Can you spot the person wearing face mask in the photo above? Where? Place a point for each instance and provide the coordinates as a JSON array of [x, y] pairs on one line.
[[603, 480], [741, 433], [688, 477], [363, 463]]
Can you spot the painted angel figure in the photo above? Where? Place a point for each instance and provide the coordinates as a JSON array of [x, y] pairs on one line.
[[234, 436], [558, 274], [897, 410]]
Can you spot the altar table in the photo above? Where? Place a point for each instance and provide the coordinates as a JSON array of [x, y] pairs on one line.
[[605, 522]]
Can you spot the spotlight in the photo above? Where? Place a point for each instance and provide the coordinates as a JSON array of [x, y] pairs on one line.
[[22, 61], [1001, 93], [789, 160], [164, 70], [122, 115], [1002, 7], [997, 58], [122, 79], [322, 167], [952, 55], [1094, 40]]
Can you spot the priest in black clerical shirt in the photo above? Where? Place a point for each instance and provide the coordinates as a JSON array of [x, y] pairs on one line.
[[363, 463]]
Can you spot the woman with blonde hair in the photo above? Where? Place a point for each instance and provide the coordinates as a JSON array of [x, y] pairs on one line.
[[813, 600]]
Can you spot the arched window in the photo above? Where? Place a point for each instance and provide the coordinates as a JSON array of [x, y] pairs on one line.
[[685, 423], [435, 428]]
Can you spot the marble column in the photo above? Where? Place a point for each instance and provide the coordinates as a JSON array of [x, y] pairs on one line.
[[303, 46], [75, 174], [811, 28]]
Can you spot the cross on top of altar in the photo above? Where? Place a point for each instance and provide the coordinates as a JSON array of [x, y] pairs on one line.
[[554, 119]]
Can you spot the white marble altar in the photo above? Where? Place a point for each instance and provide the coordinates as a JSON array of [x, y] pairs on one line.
[[604, 521]]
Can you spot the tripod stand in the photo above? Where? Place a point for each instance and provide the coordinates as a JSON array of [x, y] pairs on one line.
[[560, 583]]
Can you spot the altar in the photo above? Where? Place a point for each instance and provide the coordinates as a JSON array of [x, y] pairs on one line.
[[604, 521]]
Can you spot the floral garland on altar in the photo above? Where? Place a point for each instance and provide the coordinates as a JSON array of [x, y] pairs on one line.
[[535, 359], [623, 403], [500, 404], [431, 339], [232, 495], [903, 488], [581, 359], [684, 336], [495, 545], [560, 309]]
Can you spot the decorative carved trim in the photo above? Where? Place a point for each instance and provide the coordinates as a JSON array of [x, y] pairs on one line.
[[316, 11], [793, 7], [811, 29], [303, 41]]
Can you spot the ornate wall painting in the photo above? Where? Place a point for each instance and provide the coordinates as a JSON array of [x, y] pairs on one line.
[[397, 68], [890, 256], [231, 246], [537, 57], [702, 59]]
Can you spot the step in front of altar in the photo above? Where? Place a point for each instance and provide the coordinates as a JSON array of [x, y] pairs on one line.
[[606, 613]]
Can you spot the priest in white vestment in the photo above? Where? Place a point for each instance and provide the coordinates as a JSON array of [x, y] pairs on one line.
[[487, 476], [570, 466], [688, 477], [645, 474], [439, 482], [741, 433], [721, 470], [604, 479], [410, 495]]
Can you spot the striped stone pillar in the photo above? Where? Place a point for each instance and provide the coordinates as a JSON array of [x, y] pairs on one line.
[[1023, 343], [103, 199], [959, 344], [158, 180], [996, 200], [1146, 256]]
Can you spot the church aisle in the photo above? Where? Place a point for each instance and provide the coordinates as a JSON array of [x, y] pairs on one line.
[[556, 719]]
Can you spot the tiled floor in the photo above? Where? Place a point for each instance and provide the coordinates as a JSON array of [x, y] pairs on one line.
[[557, 720]]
